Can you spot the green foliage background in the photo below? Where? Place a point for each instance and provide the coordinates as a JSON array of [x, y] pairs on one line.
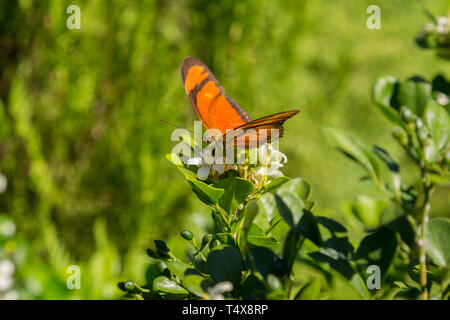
[[81, 142]]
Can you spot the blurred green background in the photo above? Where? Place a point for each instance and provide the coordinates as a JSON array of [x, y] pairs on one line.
[[82, 147]]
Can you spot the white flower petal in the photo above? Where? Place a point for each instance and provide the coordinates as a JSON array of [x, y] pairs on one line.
[[203, 173], [275, 173], [195, 161], [220, 168]]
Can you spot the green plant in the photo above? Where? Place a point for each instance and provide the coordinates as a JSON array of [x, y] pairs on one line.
[[261, 220], [419, 110]]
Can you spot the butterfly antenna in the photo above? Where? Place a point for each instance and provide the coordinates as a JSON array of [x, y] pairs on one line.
[[166, 122]]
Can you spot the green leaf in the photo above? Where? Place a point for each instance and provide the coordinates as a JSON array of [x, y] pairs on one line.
[[383, 92], [292, 210], [275, 183], [253, 288], [196, 284], [264, 261], [368, 210], [390, 162], [404, 228], [438, 123], [438, 241], [332, 225], [267, 211], [269, 242], [226, 239], [310, 291], [225, 264], [180, 269], [353, 149], [292, 245], [205, 192], [440, 180], [336, 260], [378, 248], [255, 230], [391, 171], [341, 245], [236, 191], [300, 186], [290, 207], [164, 284], [415, 93]]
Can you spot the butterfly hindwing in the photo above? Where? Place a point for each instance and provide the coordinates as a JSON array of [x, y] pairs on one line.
[[262, 130], [212, 107]]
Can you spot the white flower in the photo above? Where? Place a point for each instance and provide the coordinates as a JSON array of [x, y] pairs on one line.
[[216, 292], [6, 267], [442, 24], [271, 161], [205, 164]]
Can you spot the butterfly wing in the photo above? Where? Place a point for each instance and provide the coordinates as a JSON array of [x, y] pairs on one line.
[[213, 108], [259, 131]]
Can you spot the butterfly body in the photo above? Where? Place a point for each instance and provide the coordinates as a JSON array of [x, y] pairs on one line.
[[217, 111]]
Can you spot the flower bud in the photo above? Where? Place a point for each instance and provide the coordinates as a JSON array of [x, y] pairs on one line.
[[206, 239], [273, 283], [419, 123], [129, 285], [160, 266], [187, 235], [215, 244], [422, 135], [407, 115], [428, 148], [161, 246], [400, 136]]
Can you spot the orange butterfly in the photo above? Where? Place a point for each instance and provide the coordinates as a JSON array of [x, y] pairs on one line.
[[217, 111]]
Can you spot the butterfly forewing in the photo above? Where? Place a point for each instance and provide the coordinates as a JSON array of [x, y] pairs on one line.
[[216, 111], [212, 107]]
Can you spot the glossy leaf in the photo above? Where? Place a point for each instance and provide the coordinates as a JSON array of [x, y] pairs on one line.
[[164, 284], [438, 241], [265, 261], [300, 187], [236, 191], [378, 248], [332, 225], [382, 94], [262, 241], [310, 291], [205, 192], [224, 239], [438, 123], [292, 245], [336, 260], [353, 149], [225, 264], [196, 284], [292, 210], [180, 269], [275, 183], [415, 93]]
